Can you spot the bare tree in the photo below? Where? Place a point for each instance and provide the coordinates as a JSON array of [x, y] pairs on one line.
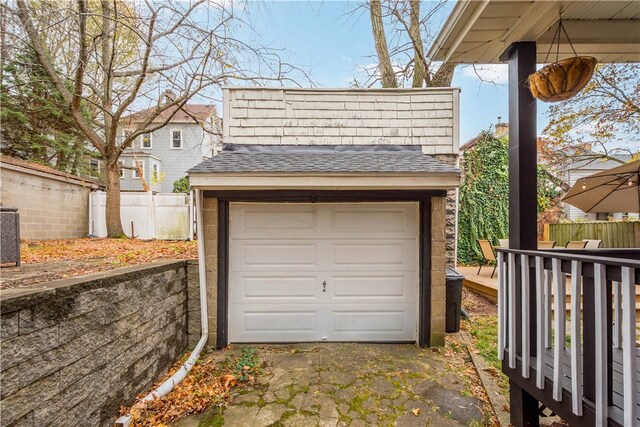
[[122, 53], [401, 59]]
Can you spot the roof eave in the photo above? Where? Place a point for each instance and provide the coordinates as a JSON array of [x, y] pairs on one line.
[[299, 181]]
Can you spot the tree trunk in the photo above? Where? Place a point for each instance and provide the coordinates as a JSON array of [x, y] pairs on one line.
[[443, 76], [377, 26], [419, 71], [114, 224]]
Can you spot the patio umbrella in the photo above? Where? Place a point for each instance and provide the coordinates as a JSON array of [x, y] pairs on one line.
[[613, 190]]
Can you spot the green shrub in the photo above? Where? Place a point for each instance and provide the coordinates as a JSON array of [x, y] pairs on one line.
[[181, 185]]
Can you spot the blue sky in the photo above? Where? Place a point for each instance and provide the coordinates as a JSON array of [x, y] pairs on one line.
[[333, 44]]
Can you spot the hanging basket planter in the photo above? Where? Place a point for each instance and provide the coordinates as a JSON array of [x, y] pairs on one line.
[[564, 78]]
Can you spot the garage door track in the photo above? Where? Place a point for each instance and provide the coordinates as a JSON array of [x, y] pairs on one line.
[[353, 385]]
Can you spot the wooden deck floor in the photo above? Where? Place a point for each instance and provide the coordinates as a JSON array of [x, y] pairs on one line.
[[481, 283], [487, 286]]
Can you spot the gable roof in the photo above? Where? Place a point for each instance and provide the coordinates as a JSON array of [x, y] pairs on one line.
[[189, 113]]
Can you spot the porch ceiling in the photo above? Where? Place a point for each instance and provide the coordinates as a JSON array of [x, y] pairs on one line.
[[479, 31]]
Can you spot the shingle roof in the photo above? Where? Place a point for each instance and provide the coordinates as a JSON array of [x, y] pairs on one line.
[[188, 113], [322, 159]]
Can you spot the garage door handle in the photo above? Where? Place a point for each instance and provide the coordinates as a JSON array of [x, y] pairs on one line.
[[324, 286]]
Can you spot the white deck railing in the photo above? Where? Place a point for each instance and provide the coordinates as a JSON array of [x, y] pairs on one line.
[[601, 328]]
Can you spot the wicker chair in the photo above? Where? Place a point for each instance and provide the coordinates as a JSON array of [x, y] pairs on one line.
[[576, 244], [546, 244], [488, 254], [592, 244]]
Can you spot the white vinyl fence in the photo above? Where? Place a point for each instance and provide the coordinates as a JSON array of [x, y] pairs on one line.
[[146, 215]]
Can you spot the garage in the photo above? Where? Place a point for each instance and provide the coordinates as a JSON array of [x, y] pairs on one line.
[[323, 272], [326, 243]]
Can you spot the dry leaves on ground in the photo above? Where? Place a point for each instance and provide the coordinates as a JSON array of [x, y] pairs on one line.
[[114, 251], [208, 384], [61, 259]]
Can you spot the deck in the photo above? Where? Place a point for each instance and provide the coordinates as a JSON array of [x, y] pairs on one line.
[[596, 382], [487, 286]]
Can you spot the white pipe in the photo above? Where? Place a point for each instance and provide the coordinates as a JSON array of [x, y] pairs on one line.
[[164, 388]]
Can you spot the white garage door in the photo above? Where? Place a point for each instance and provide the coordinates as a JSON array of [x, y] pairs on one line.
[[323, 272]]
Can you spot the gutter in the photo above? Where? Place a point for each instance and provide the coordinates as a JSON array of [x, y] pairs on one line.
[[166, 387]]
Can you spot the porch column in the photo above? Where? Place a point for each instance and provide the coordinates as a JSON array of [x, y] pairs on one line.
[[521, 57], [522, 147]]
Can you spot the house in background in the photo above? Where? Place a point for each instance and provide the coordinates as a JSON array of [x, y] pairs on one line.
[[166, 154], [582, 165]]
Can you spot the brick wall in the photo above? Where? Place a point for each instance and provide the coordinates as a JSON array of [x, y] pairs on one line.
[[426, 117], [73, 351], [50, 208]]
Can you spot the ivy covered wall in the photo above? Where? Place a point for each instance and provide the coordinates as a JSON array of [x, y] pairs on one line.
[[484, 195]]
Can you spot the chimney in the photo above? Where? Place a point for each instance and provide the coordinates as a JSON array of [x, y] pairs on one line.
[[502, 129]]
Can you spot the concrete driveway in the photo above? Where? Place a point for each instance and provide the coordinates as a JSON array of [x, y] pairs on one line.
[[353, 385]]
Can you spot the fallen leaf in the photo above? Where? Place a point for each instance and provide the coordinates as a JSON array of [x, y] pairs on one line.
[[416, 411]]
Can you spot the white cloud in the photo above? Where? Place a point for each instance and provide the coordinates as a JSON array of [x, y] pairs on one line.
[[495, 73]]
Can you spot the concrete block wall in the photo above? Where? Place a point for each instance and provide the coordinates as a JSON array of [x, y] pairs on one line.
[[451, 215], [425, 117], [438, 277], [75, 350], [210, 229], [49, 208]]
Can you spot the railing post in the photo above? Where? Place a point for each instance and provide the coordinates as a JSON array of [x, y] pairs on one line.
[[629, 346], [540, 344], [601, 344], [514, 308], [588, 340], [502, 307], [559, 326], [526, 315], [576, 334]]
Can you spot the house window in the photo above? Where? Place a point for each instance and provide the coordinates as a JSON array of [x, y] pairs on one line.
[[176, 139], [121, 168], [155, 172], [94, 167], [145, 140], [137, 163]]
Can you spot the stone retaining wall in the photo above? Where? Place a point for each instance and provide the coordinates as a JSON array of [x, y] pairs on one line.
[[73, 351]]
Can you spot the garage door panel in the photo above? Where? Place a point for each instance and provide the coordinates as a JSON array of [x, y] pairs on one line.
[[275, 288], [376, 322], [369, 220], [373, 254], [366, 286], [287, 255], [254, 323], [265, 221]]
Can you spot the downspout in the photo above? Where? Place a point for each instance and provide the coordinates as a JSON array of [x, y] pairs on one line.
[[164, 388]]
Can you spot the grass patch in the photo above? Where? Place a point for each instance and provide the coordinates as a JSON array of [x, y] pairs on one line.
[[484, 331]]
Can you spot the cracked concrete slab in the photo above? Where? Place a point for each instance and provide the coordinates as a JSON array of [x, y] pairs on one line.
[[330, 384]]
